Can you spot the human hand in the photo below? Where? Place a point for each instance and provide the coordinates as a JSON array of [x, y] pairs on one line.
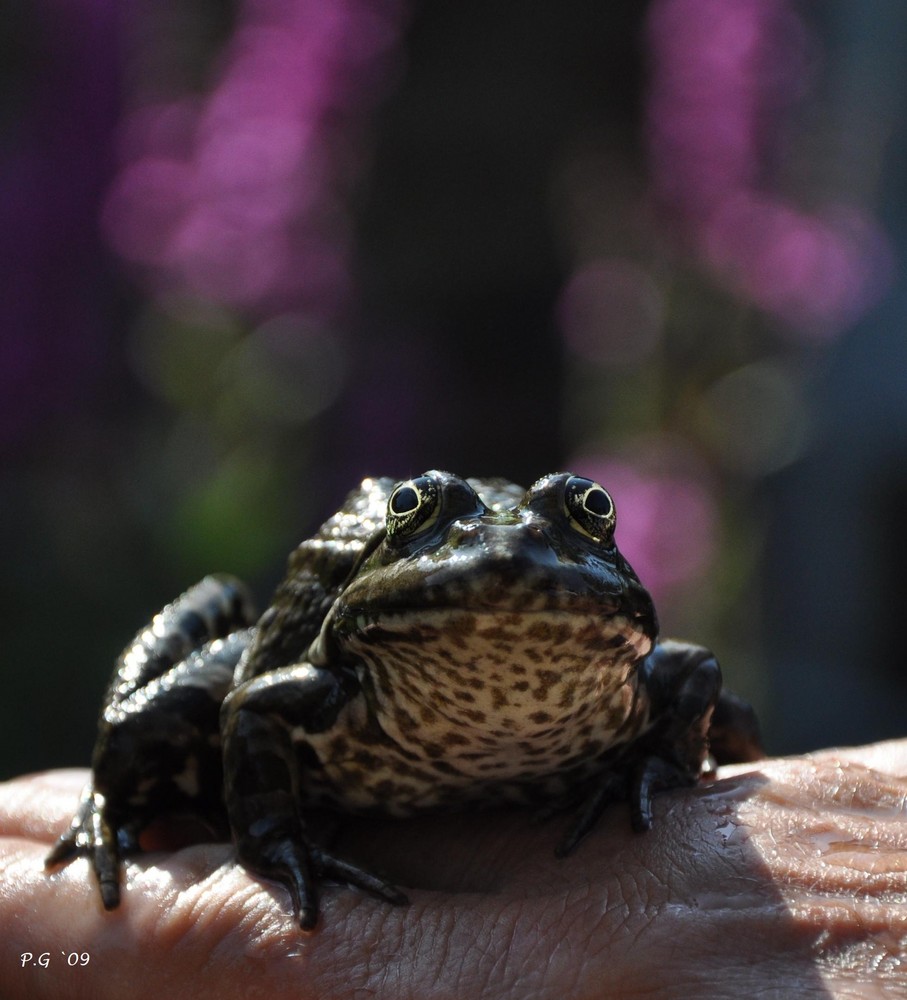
[[788, 878]]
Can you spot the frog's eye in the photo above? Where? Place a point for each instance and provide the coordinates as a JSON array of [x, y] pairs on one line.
[[412, 505], [590, 508]]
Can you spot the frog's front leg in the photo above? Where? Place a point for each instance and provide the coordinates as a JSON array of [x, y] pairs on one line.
[[264, 723], [681, 685]]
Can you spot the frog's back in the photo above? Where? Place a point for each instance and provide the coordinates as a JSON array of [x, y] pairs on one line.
[[317, 571]]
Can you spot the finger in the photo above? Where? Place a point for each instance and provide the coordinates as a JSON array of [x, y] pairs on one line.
[[40, 806], [890, 756]]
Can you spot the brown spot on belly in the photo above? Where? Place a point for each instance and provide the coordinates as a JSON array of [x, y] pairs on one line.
[[440, 699], [445, 767], [404, 720], [546, 679], [367, 759], [452, 738], [539, 631], [567, 694]]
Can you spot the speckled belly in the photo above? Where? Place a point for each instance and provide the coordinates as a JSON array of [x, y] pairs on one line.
[[462, 707]]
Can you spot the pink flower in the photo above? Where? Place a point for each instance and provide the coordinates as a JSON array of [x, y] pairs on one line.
[[724, 72], [239, 197]]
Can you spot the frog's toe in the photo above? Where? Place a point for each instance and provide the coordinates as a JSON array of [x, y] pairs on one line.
[[106, 866], [295, 873], [288, 862], [91, 836], [104, 863], [300, 870], [62, 852], [343, 871], [74, 842], [654, 773], [611, 788]]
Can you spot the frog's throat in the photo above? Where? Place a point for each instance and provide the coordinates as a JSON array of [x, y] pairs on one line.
[[519, 688], [453, 659]]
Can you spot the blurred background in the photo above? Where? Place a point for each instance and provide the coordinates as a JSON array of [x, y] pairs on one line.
[[253, 250]]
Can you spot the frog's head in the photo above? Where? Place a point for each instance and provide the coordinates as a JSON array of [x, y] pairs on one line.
[[469, 547], [500, 624]]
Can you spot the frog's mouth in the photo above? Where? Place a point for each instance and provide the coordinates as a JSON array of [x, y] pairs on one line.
[[531, 633], [437, 607], [503, 585]]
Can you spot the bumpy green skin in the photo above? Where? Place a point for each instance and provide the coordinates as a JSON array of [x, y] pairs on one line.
[[437, 644]]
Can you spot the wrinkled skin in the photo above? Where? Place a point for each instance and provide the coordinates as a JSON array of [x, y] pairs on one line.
[[787, 879]]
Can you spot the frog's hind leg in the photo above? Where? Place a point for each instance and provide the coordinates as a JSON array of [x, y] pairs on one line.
[[158, 747], [157, 752], [264, 723], [734, 736]]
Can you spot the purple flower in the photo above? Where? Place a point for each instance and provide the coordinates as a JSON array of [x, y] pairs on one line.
[[724, 72], [240, 197]]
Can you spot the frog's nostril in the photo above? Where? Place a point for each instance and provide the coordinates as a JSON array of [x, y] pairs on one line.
[[465, 533], [535, 533], [508, 547]]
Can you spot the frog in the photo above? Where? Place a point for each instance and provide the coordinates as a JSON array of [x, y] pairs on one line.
[[439, 643]]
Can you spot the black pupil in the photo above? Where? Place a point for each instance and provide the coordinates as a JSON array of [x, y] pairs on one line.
[[405, 500], [597, 502]]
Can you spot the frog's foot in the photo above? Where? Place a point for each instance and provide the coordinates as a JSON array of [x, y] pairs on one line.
[[91, 835], [301, 868], [682, 684], [263, 770], [653, 772]]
